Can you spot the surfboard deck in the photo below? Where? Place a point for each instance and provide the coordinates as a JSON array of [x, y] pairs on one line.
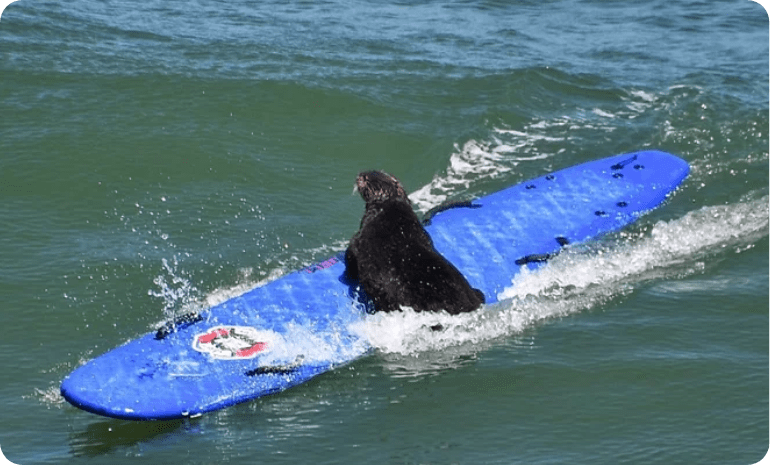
[[290, 330]]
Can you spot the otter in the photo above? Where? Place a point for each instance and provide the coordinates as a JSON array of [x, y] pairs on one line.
[[393, 259]]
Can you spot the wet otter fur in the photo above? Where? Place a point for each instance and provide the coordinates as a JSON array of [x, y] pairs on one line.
[[393, 258]]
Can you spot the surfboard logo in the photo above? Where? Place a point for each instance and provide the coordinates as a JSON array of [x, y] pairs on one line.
[[233, 342]]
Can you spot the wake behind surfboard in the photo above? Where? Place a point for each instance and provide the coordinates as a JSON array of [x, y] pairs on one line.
[[288, 331]]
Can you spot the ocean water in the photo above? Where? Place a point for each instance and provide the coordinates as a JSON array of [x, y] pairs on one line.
[[166, 155]]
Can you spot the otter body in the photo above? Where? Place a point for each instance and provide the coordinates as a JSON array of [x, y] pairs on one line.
[[393, 258]]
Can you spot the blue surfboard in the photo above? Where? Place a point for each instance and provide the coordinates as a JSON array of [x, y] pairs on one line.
[[288, 331]]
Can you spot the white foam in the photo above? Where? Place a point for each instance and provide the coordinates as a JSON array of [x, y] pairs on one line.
[[474, 161], [671, 245], [576, 280], [314, 346], [479, 160]]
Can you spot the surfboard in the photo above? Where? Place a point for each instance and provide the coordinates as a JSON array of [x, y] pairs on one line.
[[301, 325]]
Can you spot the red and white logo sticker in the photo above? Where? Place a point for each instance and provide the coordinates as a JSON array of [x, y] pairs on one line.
[[234, 342]]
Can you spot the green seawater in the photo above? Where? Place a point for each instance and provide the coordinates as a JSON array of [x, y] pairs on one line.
[[164, 156]]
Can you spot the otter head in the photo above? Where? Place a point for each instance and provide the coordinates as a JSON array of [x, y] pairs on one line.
[[376, 186]]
